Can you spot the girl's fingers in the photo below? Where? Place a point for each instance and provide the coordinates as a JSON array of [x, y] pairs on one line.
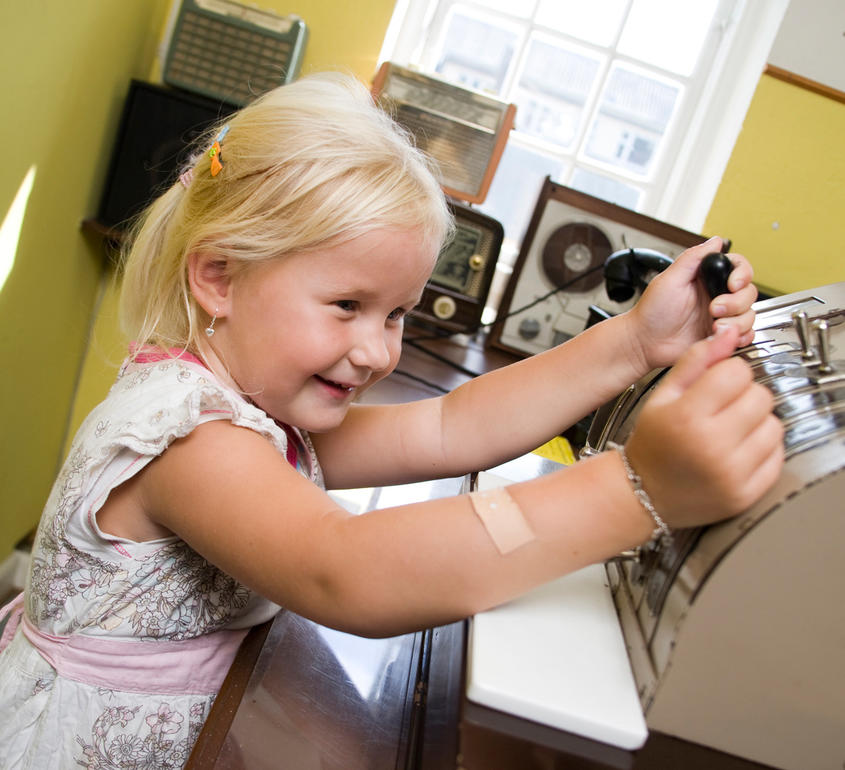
[[744, 414], [691, 367], [762, 457]]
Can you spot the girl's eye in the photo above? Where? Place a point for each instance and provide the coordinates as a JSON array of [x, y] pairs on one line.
[[397, 314], [349, 305]]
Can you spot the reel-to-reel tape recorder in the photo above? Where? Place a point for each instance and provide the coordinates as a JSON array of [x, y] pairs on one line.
[[557, 284]]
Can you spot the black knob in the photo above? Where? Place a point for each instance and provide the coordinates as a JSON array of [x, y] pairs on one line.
[[529, 328], [714, 271]]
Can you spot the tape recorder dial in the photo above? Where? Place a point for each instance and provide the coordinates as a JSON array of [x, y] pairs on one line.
[[557, 281]]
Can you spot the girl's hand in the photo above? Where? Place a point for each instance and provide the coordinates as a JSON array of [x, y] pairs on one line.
[[676, 311], [706, 443]]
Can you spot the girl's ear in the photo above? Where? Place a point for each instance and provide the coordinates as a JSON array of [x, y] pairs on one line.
[[210, 282]]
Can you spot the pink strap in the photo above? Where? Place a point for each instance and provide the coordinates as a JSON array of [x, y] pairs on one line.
[[150, 354], [193, 666], [291, 454]]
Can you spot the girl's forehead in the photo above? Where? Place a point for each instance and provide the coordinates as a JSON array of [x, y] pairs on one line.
[[403, 275], [397, 251], [374, 264]]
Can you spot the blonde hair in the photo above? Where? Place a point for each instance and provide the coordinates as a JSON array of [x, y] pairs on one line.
[[307, 165]]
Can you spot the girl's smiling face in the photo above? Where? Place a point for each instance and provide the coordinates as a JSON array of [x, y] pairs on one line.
[[305, 334]]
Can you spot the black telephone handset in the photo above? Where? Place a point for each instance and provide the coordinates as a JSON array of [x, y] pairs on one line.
[[626, 271]]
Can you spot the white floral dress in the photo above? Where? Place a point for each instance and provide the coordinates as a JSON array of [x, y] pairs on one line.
[[114, 653]]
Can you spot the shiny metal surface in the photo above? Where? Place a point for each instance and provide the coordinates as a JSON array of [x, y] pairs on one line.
[[326, 700], [708, 618]]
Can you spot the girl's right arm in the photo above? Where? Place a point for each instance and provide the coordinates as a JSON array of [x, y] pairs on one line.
[[706, 447], [514, 409]]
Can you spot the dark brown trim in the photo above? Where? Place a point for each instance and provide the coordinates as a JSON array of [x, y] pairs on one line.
[[214, 732], [810, 85]]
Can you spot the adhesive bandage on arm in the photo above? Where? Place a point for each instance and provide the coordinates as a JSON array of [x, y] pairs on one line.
[[502, 518]]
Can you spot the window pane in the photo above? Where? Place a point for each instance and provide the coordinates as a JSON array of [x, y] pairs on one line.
[[523, 8], [596, 21], [475, 53], [606, 188], [553, 88], [516, 187], [667, 33], [633, 114]]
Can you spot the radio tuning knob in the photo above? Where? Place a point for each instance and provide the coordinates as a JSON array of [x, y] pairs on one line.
[[444, 307], [476, 262]]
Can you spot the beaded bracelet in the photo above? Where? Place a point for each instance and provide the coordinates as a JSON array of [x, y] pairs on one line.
[[661, 530]]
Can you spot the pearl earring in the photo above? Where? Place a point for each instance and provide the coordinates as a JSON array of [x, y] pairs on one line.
[[209, 330]]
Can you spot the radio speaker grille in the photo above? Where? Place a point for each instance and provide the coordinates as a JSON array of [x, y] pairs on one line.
[[225, 50]]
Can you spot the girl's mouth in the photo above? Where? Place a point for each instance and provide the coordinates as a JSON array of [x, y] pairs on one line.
[[336, 386]]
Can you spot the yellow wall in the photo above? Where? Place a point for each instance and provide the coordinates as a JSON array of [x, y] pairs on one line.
[[343, 35], [788, 168], [63, 74]]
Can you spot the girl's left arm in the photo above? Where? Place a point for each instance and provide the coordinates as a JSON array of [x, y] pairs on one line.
[[513, 410]]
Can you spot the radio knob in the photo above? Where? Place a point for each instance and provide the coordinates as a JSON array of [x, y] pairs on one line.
[[444, 307], [529, 328], [476, 262]]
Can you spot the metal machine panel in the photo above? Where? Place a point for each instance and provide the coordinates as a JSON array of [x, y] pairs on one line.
[[736, 632]]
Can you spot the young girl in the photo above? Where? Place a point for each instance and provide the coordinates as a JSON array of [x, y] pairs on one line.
[[265, 291]]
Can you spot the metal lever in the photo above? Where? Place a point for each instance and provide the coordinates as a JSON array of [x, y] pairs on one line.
[[802, 329], [823, 331]]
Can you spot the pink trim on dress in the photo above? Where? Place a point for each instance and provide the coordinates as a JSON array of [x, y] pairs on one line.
[[120, 549], [194, 666], [151, 355]]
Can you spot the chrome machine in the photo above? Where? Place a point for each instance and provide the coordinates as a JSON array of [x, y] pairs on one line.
[[736, 632]]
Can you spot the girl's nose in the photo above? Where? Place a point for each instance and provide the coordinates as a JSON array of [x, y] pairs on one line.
[[371, 350]]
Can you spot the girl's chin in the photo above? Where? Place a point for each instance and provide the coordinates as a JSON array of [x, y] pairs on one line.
[[320, 419], [320, 426]]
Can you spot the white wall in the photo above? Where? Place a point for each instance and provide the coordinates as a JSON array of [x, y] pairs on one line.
[[811, 41]]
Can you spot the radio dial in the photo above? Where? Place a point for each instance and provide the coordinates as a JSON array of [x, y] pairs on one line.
[[444, 307]]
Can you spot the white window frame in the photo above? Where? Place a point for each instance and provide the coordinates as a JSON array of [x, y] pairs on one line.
[[705, 129]]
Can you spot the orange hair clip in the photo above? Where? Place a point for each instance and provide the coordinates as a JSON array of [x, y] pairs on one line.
[[215, 152]]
